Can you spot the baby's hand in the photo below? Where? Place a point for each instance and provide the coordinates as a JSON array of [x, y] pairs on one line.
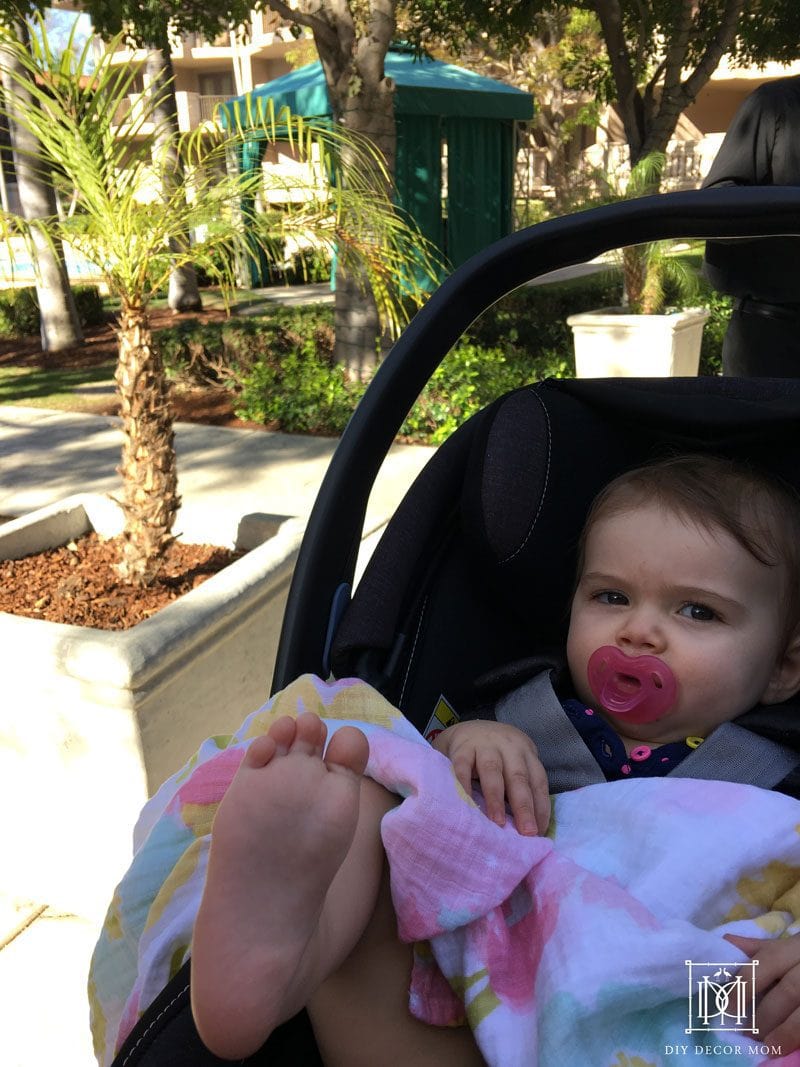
[[505, 762], [777, 989]]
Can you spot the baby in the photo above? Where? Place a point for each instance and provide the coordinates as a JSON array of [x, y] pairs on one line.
[[685, 615]]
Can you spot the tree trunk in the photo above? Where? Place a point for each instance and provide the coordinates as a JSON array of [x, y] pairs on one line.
[[148, 466], [362, 98], [634, 273], [184, 294], [60, 324], [358, 343]]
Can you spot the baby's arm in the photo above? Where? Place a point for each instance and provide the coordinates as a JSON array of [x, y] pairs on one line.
[[505, 762], [777, 989]]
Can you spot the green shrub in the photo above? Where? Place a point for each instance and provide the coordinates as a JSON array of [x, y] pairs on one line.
[[468, 378], [19, 309], [714, 330], [306, 267], [301, 392], [89, 304], [225, 352], [19, 312], [280, 365], [197, 354], [219, 260]]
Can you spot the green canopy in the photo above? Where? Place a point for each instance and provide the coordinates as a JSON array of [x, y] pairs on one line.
[[424, 87], [441, 111]]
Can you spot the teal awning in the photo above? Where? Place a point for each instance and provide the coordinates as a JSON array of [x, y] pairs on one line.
[[424, 87]]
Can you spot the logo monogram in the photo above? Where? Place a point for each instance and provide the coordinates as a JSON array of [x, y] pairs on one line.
[[721, 999]]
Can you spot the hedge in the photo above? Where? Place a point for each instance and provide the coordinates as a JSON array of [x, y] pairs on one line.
[[19, 310]]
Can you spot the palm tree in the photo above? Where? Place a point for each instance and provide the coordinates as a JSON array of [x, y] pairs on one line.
[[119, 219]]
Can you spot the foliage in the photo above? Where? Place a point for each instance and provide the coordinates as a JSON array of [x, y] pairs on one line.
[[523, 338], [304, 392], [226, 353], [13, 10], [714, 330], [468, 378], [306, 267], [145, 22], [19, 312], [661, 54], [19, 309], [89, 304], [280, 367]]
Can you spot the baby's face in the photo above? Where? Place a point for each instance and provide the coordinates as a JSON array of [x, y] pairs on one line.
[[656, 584]]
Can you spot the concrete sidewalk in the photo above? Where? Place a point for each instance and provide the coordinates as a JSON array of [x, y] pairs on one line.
[[223, 474]]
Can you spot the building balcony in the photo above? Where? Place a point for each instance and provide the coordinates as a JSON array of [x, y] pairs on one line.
[[687, 163], [264, 30], [194, 109]]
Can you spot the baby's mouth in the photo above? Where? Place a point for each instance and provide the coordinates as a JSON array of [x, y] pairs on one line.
[[626, 683]]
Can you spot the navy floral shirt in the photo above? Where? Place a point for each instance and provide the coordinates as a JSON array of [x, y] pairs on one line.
[[609, 751]]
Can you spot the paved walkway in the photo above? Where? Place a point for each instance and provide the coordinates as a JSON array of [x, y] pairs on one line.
[[223, 474], [46, 455]]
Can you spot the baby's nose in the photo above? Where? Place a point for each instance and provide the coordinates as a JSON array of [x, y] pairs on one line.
[[641, 631]]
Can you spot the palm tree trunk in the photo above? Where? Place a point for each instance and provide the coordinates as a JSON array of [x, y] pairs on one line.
[[184, 293], [148, 467], [60, 324], [634, 271]]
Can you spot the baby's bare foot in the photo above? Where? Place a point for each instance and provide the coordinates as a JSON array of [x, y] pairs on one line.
[[279, 837]]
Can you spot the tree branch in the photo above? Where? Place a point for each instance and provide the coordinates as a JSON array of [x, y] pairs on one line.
[[610, 14], [717, 48], [318, 26], [676, 53]]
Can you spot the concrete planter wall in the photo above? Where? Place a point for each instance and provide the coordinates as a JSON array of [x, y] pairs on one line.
[[91, 722], [614, 344]]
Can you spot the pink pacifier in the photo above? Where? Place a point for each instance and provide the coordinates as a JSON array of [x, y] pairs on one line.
[[642, 688]]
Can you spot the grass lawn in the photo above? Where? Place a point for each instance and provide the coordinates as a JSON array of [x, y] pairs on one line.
[[68, 390]]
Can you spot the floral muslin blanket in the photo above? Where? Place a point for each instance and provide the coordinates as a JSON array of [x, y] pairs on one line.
[[568, 950]]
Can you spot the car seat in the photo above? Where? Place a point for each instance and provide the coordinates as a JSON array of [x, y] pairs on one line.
[[473, 572]]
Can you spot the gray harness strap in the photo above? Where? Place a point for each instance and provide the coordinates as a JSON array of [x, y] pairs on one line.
[[730, 754], [733, 754]]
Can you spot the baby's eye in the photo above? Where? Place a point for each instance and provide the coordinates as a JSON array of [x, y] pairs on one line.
[[698, 612], [611, 596]]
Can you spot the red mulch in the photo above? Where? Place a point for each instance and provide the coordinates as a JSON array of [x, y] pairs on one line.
[[77, 584]]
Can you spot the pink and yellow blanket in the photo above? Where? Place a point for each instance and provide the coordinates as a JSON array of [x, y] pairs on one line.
[[563, 951]]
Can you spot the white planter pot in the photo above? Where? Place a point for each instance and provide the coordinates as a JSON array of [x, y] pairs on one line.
[[612, 343], [92, 721]]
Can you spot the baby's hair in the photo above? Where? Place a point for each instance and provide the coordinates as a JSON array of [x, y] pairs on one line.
[[757, 509]]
